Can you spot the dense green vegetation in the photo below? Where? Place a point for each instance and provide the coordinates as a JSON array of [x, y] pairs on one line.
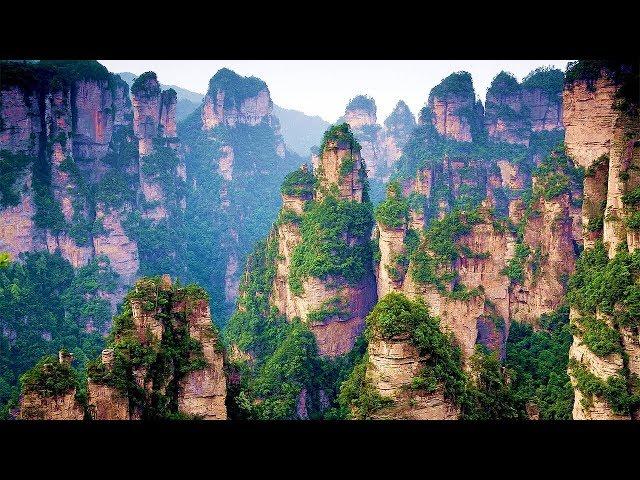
[[164, 360], [537, 361], [431, 260], [516, 266], [284, 358], [46, 306], [300, 183], [549, 80], [40, 75], [49, 377], [393, 212], [235, 87], [614, 390], [610, 286], [328, 228], [340, 133], [556, 175], [503, 84], [483, 394], [458, 83]]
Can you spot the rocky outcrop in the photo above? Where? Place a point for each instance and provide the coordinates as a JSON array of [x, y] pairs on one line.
[[203, 392], [393, 364], [341, 166], [232, 100], [453, 109], [34, 406], [199, 392], [68, 119], [505, 117], [39, 402], [360, 114], [333, 307], [548, 234], [602, 136]]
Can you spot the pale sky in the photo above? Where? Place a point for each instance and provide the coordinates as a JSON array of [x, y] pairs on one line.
[[324, 87]]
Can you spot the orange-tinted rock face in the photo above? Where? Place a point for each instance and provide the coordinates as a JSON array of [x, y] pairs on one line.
[[550, 237], [449, 118], [94, 119], [203, 392], [106, 402], [34, 406], [624, 162], [602, 139], [588, 118], [18, 232], [393, 364], [349, 185], [391, 244], [225, 165], [120, 249]]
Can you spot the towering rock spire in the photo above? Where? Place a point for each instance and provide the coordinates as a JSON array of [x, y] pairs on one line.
[[600, 110], [398, 128], [453, 109]]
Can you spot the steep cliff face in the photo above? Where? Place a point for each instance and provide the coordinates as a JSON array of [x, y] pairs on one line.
[[154, 125], [548, 235], [542, 96], [333, 305], [230, 103], [486, 224], [505, 118], [411, 369], [514, 110], [393, 364], [164, 362], [602, 133], [78, 116], [453, 109]]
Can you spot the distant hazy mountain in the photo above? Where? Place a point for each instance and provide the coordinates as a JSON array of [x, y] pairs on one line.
[[188, 101], [300, 131]]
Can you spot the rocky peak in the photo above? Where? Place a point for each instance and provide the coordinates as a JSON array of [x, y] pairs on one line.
[[400, 122], [340, 170], [600, 110], [175, 368], [542, 96], [506, 119], [233, 99], [360, 111], [154, 111], [452, 107]]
